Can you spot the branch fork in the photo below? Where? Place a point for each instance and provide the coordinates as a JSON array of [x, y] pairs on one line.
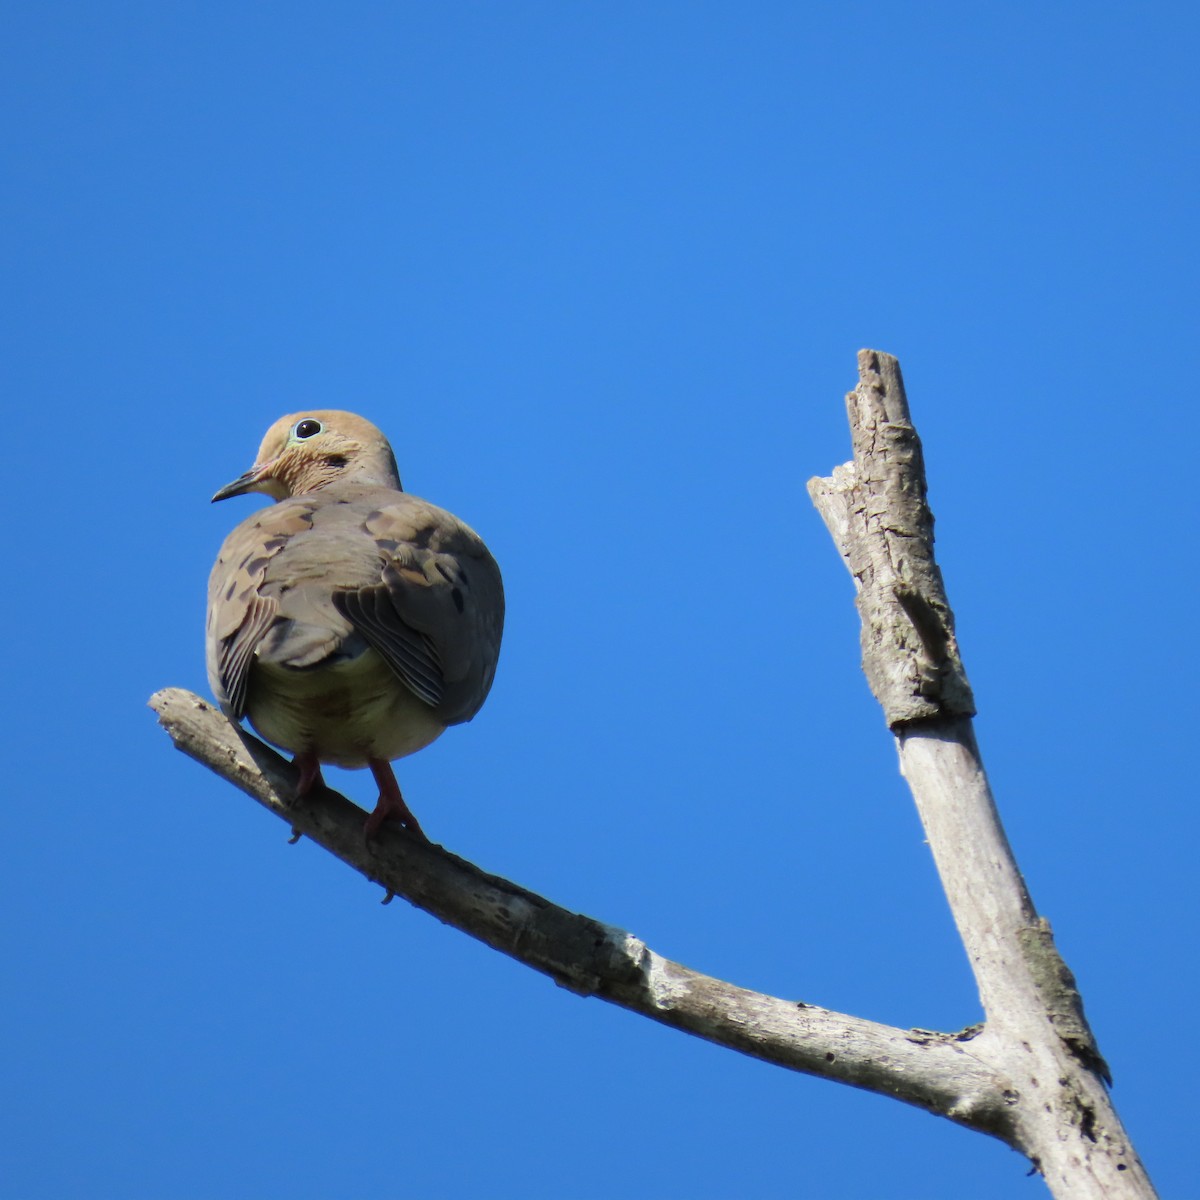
[[1031, 1075]]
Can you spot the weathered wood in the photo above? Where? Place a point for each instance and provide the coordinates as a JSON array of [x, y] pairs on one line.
[[875, 508], [935, 1071], [1035, 1034]]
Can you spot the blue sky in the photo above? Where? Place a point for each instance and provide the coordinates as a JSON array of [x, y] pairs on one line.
[[600, 271]]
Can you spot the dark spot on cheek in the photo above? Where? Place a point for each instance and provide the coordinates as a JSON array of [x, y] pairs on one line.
[[336, 460], [457, 596]]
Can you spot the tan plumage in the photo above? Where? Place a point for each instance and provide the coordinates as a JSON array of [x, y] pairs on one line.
[[350, 622]]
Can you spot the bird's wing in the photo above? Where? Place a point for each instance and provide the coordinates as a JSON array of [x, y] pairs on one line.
[[240, 608], [436, 613]]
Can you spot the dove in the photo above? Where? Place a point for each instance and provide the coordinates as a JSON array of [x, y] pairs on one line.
[[350, 622]]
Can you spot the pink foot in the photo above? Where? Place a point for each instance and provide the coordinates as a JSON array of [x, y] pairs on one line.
[[391, 802], [310, 773]]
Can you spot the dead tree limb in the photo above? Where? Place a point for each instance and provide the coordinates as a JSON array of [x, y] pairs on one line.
[[1031, 1076], [1035, 1034], [935, 1071]]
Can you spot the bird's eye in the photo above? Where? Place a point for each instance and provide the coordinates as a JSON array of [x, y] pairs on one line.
[[307, 428]]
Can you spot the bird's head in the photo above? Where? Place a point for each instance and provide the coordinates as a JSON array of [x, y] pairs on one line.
[[306, 451]]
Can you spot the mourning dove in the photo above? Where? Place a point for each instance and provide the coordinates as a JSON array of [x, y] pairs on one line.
[[351, 622]]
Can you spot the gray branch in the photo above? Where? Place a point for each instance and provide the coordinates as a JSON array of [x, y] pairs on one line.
[[1031, 1075], [935, 1071], [1035, 1034]]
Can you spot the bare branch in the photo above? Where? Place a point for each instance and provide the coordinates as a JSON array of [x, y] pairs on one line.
[[935, 1071], [1036, 1034]]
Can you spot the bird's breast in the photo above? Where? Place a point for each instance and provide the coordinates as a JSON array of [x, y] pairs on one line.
[[346, 712]]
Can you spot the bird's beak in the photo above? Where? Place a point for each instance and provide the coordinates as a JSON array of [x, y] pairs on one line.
[[251, 481]]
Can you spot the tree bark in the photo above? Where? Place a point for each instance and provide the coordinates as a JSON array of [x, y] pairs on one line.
[[935, 1071], [1035, 1034], [1031, 1075]]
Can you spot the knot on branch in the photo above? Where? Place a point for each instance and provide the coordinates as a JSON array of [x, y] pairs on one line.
[[1064, 1005]]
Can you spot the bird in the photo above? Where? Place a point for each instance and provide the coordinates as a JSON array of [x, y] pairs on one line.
[[350, 622]]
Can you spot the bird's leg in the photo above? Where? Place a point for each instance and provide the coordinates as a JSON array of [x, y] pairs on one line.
[[310, 773], [391, 802]]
